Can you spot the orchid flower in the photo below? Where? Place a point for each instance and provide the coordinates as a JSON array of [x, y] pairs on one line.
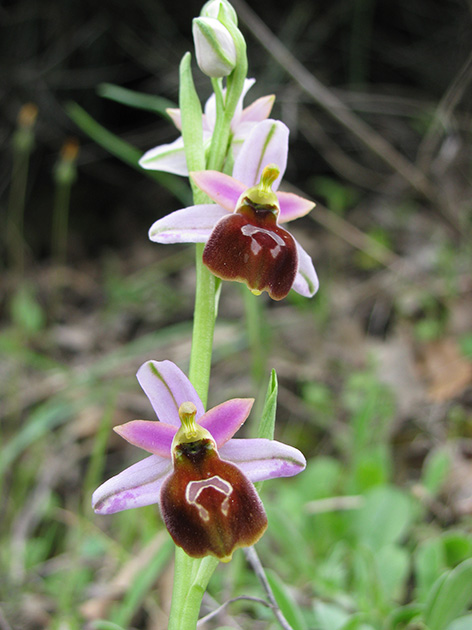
[[244, 240], [171, 157], [200, 477]]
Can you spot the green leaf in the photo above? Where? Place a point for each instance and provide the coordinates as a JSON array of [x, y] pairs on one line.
[[393, 564], [435, 470], [365, 582], [125, 151], [41, 422], [330, 616], [285, 601], [430, 562], [102, 624], [371, 468], [267, 422], [26, 312], [449, 597], [131, 98], [192, 125], [403, 615], [461, 623], [384, 518], [355, 622], [458, 547]]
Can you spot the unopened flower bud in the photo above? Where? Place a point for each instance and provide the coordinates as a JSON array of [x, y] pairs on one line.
[[212, 9], [214, 47]]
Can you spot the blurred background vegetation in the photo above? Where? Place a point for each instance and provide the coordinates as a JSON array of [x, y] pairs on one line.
[[375, 373]]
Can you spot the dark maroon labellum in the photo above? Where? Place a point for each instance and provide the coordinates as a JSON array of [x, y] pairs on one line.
[[208, 505], [248, 246]]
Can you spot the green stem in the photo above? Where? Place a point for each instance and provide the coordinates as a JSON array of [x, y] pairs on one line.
[[257, 336], [204, 317], [191, 575], [186, 600], [235, 85]]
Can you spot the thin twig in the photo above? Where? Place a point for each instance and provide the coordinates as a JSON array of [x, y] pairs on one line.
[[253, 559], [335, 504], [443, 113], [355, 237], [217, 611], [333, 105], [332, 153]]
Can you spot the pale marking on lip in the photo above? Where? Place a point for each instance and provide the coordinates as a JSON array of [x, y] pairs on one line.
[[252, 230], [195, 488]]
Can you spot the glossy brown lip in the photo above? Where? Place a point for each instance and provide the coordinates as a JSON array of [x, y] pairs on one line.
[[249, 246], [208, 505]]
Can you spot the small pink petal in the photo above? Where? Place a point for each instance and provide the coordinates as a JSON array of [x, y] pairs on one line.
[[150, 435], [306, 281], [136, 486], [259, 110], [224, 420], [176, 117], [223, 189], [261, 459], [166, 157], [167, 388], [266, 144], [189, 225], [293, 207]]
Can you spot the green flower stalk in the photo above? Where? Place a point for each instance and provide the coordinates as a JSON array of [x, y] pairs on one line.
[[200, 477]]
